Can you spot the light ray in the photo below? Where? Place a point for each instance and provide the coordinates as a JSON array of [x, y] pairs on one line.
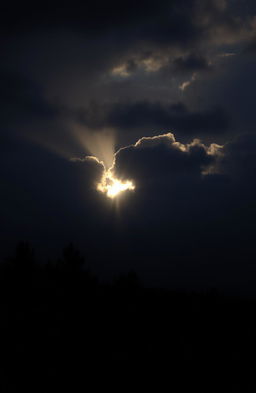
[[100, 144]]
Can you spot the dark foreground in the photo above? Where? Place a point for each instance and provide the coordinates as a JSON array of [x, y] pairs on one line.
[[62, 331]]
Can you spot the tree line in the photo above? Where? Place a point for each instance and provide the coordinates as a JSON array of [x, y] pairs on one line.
[[63, 330]]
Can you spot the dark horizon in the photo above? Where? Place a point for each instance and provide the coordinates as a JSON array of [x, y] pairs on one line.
[[64, 330]]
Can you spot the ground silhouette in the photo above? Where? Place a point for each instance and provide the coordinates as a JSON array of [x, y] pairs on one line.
[[64, 331]]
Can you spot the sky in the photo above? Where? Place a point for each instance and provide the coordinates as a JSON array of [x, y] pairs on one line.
[[163, 94]]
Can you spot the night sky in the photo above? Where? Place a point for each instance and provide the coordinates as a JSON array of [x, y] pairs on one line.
[[167, 86]]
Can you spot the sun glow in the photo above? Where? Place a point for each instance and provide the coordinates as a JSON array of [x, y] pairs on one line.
[[101, 145], [112, 186]]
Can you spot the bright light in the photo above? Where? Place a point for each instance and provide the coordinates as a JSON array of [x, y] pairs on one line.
[[112, 186], [101, 145]]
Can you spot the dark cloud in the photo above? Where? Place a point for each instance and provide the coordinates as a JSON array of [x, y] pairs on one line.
[[239, 160], [155, 115], [191, 63], [96, 19], [176, 117], [72, 51], [176, 21], [151, 159]]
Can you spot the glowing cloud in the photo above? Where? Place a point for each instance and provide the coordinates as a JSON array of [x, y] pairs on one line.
[[169, 139], [137, 63], [121, 70], [186, 84], [112, 186], [109, 184], [101, 145]]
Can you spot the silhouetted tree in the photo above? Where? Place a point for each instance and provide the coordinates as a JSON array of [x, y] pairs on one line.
[[131, 338], [127, 281], [71, 260], [24, 258]]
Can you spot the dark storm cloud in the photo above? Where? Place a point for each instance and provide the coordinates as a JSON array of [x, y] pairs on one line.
[[191, 63], [162, 157], [176, 117], [95, 19], [72, 52], [155, 115], [177, 21], [197, 211], [239, 160]]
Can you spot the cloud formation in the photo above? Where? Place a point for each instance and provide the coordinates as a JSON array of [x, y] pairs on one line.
[[193, 203], [141, 115], [178, 212], [163, 157]]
